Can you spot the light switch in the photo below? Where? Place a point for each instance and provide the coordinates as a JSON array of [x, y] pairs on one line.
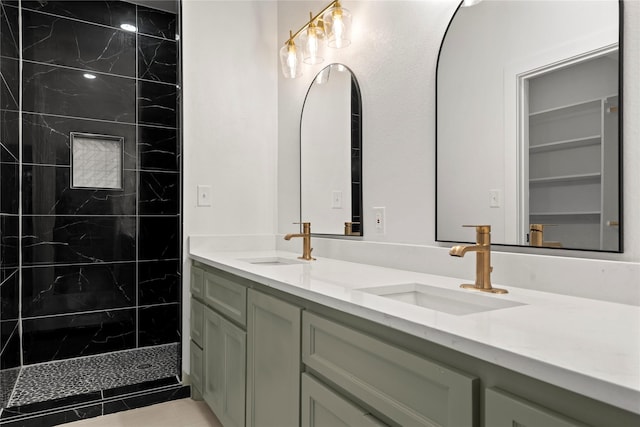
[[204, 195], [494, 198], [336, 199]]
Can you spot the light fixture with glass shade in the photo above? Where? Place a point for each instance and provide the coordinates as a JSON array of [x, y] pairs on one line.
[[332, 24]]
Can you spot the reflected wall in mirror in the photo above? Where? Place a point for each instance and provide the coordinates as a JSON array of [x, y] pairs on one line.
[[528, 120], [330, 153]]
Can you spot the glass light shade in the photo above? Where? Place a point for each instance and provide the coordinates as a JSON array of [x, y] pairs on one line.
[[291, 60], [312, 41], [337, 21]]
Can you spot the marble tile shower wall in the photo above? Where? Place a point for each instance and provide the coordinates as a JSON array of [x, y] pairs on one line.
[[9, 196], [100, 267]]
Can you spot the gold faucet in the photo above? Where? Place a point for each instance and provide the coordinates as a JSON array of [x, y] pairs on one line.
[[536, 236], [306, 240], [348, 229], [482, 248]]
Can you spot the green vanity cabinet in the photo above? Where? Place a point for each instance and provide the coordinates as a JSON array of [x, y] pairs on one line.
[[503, 409], [226, 295], [323, 407], [409, 389], [224, 359], [197, 374], [197, 282], [273, 361]]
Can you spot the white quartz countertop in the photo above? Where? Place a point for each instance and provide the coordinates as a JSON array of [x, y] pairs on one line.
[[583, 345]]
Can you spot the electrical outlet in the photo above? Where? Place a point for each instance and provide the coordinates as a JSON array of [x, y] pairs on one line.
[[379, 218], [204, 195]]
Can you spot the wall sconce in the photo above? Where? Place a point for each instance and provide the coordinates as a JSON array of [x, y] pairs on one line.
[[332, 24]]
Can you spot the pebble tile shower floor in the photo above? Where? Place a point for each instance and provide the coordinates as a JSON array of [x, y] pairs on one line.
[[53, 380]]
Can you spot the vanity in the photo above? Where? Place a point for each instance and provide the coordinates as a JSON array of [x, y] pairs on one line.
[[280, 341]]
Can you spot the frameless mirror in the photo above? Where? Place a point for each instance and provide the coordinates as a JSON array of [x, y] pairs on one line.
[[528, 119], [330, 153]]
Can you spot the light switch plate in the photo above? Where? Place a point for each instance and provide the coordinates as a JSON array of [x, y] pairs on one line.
[[204, 195]]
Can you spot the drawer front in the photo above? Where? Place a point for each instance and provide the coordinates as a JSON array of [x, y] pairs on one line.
[[503, 409], [197, 282], [226, 296], [409, 389], [196, 366], [196, 322], [322, 407]]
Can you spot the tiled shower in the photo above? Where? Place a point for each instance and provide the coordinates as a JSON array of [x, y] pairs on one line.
[[90, 211]]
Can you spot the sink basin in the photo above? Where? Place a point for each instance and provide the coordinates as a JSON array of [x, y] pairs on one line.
[[272, 261], [457, 302]]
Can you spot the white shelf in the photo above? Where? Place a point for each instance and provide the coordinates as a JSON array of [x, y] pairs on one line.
[[577, 107], [566, 144], [566, 178], [587, 213]]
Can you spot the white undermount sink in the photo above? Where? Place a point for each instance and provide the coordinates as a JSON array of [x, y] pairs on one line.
[[457, 302], [272, 261]]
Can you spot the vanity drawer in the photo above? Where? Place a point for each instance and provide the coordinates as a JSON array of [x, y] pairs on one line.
[[197, 282], [503, 409], [226, 296], [409, 389], [197, 313]]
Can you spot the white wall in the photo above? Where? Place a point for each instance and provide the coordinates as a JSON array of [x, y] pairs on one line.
[[393, 55], [230, 121]]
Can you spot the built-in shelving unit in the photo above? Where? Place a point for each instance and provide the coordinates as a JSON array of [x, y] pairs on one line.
[[567, 134]]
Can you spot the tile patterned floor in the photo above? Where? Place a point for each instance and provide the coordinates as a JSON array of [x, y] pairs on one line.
[[54, 380]]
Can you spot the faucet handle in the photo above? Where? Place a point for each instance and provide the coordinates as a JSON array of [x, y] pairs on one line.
[[482, 229]]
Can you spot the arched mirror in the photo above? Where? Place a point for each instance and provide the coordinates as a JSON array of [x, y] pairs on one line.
[[528, 124], [330, 153]]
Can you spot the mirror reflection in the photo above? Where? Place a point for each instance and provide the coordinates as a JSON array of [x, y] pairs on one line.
[[330, 153], [527, 124]]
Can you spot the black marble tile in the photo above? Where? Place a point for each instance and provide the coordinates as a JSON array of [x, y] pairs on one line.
[[9, 136], [45, 139], [47, 191], [56, 418], [157, 59], [9, 27], [11, 351], [111, 13], [52, 404], [77, 239], [158, 149], [9, 297], [48, 39], [8, 379], [9, 188], [146, 399], [9, 239], [159, 324], [140, 387], [77, 288], [159, 282], [157, 23], [159, 193], [159, 238], [6, 273], [53, 90], [7, 328], [157, 104], [62, 337], [10, 90]]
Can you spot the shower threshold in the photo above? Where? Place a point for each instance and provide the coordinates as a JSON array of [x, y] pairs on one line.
[[67, 390]]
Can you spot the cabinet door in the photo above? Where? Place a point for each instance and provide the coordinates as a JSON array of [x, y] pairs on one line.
[[196, 321], [506, 410], [197, 282], [322, 407], [196, 368], [273, 361], [224, 369]]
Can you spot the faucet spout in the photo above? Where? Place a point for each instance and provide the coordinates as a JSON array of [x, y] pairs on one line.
[[306, 241], [290, 236], [461, 250]]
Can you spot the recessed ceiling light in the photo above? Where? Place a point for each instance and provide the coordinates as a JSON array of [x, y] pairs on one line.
[[89, 76], [129, 27]]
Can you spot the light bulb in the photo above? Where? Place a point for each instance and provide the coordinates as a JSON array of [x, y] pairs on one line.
[[292, 61], [338, 29], [312, 44]]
